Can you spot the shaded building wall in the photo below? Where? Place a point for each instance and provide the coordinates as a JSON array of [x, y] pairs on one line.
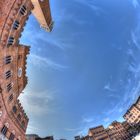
[[13, 79], [120, 131], [132, 116], [98, 133], [13, 119]]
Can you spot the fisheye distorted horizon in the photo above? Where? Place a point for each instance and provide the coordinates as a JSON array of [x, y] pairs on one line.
[[86, 72]]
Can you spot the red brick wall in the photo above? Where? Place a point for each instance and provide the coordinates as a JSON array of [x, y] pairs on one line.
[[9, 12]]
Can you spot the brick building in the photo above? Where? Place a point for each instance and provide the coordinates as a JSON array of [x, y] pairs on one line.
[[132, 116], [113, 135], [98, 133], [117, 131], [36, 137], [13, 16]]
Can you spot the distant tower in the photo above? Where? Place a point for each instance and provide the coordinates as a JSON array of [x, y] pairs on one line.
[[13, 16]]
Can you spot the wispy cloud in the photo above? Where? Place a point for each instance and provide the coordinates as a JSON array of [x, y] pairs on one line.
[[86, 123], [32, 129], [34, 36], [135, 3], [72, 129], [135, 37], [91, 5], [42, 62], [38, 103], [87, 119], [106, 120], [108, 87]]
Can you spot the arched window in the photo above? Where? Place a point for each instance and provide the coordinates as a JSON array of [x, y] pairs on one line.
[[8, 59], [8, 74], [23, 10], [4, 130], [19, 117], [14, 109], [23, 124], [12, 136], [10, 41], [10, 97], [16, 25], [9, 87]]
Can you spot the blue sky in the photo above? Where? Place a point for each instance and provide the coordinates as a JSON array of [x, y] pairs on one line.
[[86, 72]]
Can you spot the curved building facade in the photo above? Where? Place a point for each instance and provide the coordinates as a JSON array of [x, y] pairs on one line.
[[13, 56]]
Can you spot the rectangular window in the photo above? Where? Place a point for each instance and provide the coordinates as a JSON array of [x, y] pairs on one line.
[[4, 130], [8, 74], [12, 136], [9, 87], [8, 59]]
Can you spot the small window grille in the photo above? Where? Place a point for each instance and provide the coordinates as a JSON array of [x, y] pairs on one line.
[[8, 59], [16, 25], [23, 10], [10, 41]]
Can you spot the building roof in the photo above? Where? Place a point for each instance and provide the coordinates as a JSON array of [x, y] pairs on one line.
[[96, 127]]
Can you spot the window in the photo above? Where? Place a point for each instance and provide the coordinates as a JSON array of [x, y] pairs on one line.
[[16, 25], [12, 136], [23, 124], [4, 130], [8, 74], [14, 109], [19, 57], [0, 113], [19, 117], [19, 72], [10, 41], [8, 59], [22, 10], [9, 87], [11, 97]]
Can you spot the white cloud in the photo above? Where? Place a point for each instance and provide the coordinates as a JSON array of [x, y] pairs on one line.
[[108, 87], [87, 119], [38, 103], [106, 120], [32, 129], [72, 129], [135, 3], [91, 5], [42, 62], [88, 122], [135, 37]]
